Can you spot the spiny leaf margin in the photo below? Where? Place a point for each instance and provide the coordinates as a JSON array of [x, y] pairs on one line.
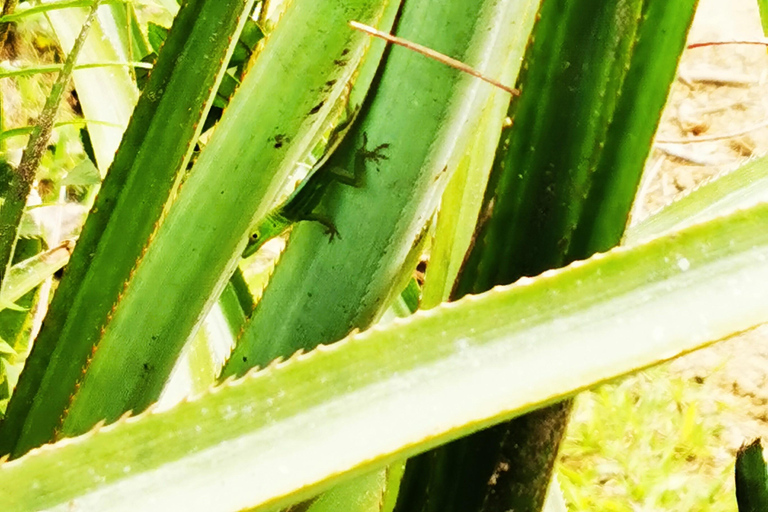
[[282, 434]]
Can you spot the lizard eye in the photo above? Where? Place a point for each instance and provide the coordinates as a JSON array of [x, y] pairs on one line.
[[254, 237]]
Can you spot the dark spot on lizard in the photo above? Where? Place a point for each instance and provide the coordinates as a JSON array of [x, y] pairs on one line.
[[345, 51], [316, 108], [280, 139], [340, 62], [245, 359], [329, 84]]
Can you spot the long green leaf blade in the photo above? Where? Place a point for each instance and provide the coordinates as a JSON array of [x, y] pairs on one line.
[[419, 140], [147, 167], [561, 189], [31, 272], [50, 68], [461, 202], [26, 130], [294, 429], [659, 44], [741, 188], [15, 326], [106, 95], [541, 179], [193, 252], [20, 14]]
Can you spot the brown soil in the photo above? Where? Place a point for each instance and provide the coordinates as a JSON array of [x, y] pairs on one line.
[[721, 90]]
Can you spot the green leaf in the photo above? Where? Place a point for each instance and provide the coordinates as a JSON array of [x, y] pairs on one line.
[[460, 206], [107, 95], [30, 10], [561, 189], [12, 306], [345, 410], [544, 171], [5, 348], [251, 34], [352, 496], [157, 35], [656, 52], [421, 137], [82, 175], [763, 6], [16, 326], [26, 130], [201, 362], [51, 68], [751, 478], [148, 166], [740, 188], [193, 252], [11, 372], [30, 273], [128, 36]]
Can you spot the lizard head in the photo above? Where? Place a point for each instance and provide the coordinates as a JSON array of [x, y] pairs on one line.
[[269, 228], [255, 240]]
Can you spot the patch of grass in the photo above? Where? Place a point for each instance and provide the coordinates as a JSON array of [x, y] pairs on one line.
[[644, 444]]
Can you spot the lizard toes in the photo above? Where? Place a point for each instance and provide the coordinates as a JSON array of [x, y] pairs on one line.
[[332, 233]]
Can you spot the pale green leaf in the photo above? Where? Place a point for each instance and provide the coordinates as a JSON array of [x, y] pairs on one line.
[[740, 188], [5, 348], [30, 273], [107, 95], [285, 433]]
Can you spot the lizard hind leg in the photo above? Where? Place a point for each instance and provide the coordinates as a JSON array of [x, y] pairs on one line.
[[330, 228], [351, 178]]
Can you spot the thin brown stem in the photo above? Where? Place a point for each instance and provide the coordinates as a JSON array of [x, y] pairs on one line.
[[722, 43], [432, 54]]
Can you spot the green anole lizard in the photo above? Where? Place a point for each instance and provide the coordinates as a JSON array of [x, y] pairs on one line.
[[302, 201]]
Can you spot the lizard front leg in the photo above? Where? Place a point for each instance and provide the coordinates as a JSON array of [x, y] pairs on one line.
[[376, 154], [362, 157], [353, 178]]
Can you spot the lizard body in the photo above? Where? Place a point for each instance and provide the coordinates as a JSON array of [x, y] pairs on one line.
[[303, 200]]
